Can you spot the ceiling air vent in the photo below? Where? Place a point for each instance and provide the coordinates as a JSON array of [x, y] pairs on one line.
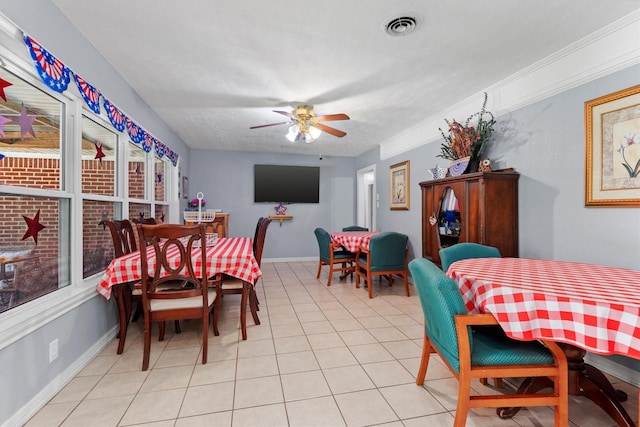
[[402, 26]]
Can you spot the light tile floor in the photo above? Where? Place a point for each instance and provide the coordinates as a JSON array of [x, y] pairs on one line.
[[322, 356]]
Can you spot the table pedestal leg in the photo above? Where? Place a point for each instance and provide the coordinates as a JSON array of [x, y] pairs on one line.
[[584, 380]]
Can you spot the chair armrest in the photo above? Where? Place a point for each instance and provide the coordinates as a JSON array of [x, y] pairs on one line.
[[334, 245], [463, 321]]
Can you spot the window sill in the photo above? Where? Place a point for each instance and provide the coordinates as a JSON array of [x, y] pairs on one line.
[[21, 321]]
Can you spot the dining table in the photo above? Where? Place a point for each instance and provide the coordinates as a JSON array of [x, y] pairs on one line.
[[229, 255], [352, 240], [584, 307]]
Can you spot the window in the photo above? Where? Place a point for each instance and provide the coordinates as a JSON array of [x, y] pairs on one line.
[[34, 204]]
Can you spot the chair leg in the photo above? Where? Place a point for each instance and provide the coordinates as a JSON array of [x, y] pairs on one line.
[[319, 269], [424, 361], [464, 396], [253, 305], [369, 284], [147, 343], [205, 336], [243, 312], [216, 314], [121, 295], [406, 285]]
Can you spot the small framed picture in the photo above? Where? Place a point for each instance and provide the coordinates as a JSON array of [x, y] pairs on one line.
[[185, 187], [399, 186], [612, 164]]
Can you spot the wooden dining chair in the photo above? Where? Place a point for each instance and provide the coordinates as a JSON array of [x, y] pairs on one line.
[[124, 242], [334, 255], [470, 351], [247, 290], [386, 256], [175, 291]]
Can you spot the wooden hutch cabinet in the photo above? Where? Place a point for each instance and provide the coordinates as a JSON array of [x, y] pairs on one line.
[[478, 207]]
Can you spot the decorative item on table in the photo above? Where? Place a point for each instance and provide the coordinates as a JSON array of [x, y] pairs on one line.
[[485, 165], [197, 215], [437, 172], [457, 167], [465, 140], [281, 209]]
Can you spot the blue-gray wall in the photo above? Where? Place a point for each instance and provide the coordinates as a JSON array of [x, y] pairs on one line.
[[544, 142], [226, 179]]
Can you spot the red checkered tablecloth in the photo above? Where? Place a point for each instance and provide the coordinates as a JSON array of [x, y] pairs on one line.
[[232, 256], [593, 307], [352, 240]]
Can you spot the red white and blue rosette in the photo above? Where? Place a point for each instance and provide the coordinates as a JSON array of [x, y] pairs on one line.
[[172, 155], [50, 69], [89, 93], [116, 117], [147, 141], [160, 148], [135, 132]]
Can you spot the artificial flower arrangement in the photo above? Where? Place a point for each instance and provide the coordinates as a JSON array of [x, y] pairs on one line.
[[466, 140], [194, 203]]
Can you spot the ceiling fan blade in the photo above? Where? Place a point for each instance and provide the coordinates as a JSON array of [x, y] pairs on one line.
[[327, 129], [330, 117], [285, 113], [270, 124]]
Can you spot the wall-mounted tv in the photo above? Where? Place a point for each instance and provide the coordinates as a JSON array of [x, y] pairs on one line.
[[286, 184]]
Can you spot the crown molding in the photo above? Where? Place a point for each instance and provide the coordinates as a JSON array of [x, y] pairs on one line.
[[610, 49]]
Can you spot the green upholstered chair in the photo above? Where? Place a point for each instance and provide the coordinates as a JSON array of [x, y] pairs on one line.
[[333, 255], [355, 228], [466, 250], [385, 256], [470, 350]]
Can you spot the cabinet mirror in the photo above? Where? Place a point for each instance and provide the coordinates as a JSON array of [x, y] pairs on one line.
[[449, 221]]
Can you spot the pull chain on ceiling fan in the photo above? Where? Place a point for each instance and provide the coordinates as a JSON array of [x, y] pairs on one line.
[[306, 125]]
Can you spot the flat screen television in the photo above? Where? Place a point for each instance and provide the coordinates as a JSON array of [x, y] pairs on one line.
[[286, 184]]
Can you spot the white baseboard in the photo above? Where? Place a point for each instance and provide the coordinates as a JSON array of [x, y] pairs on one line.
[[610, 367], [47, 393]]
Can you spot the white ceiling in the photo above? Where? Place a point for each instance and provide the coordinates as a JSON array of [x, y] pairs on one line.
[[213, 68]]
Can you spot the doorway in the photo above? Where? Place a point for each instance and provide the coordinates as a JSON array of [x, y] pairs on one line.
[[367, 198]]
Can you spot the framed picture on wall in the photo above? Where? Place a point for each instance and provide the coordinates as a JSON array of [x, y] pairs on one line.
[[185, 187], [612, 166], [399, 186]]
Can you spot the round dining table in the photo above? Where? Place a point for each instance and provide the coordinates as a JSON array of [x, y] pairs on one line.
[[583, 307]]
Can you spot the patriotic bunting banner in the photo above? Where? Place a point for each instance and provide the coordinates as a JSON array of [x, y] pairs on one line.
[[135, 132], [115, 116], [50, 69], [57, 77], [160, 148], [90, 94], [147, 141]]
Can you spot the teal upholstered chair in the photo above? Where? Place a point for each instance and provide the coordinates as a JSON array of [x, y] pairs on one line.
[[385, 256], [333, 255], [466, 250], [471, 351], [355, 228]]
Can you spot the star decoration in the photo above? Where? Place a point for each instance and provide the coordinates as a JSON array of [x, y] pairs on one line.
[[3, 121], [3, 84], [162, 217], [138, 171], [281, 209], [33, 227], [159, 176], [99, 153], [26, 122]]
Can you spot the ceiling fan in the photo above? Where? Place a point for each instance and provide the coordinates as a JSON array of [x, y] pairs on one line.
[[306, 125]]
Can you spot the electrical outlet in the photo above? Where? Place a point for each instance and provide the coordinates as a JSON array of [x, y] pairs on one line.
[[53, 350]]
